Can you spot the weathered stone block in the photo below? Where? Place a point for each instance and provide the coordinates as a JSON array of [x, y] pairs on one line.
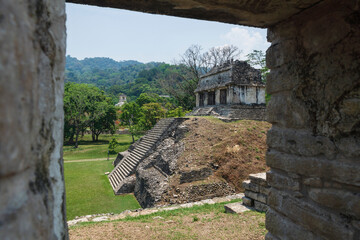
[[315, 167], [280, 53], [313, 182], [127, 185], [260, 206], [256, 196], [292, 114], [284, 228], [248, 201], [264, 190], [235, 208], [258, 178], [300, 142], [310, 216], [195, 175], [279, 80], [269, 236], [248, 185], [349, 146], [344, 201], [280, 181]]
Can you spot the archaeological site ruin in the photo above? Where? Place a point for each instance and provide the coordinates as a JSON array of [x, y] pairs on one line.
[[313, 145], [234, 90]]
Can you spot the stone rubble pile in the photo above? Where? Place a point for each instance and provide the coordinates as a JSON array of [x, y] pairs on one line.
[[256, 192]]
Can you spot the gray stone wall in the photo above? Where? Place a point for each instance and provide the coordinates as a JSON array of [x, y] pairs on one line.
[[314, 144], [256, 192], [32, 62]]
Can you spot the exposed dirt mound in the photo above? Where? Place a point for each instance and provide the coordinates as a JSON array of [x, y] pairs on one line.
[[232, 150]]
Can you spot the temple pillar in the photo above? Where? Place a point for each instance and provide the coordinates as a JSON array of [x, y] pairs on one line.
[[217, 97]]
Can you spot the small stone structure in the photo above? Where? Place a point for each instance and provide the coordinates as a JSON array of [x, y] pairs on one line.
[[234, 82], [256, 192], [122, 100], [234, 90]]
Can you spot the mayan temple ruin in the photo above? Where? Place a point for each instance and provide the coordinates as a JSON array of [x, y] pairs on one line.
[[234, 90]]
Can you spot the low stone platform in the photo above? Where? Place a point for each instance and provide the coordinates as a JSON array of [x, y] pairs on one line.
[[256, 192], [147, 211], [236, 207]]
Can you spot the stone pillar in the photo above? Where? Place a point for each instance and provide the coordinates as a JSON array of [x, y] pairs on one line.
[[217, 96], [32, 63], [206, 98], [197, 101], [230, 93], [314, 143]]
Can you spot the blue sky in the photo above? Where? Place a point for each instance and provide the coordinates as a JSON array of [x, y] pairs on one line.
[[128, 35]]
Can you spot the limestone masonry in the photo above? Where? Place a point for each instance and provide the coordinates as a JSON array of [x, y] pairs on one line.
[[256, 192], [314, 83]]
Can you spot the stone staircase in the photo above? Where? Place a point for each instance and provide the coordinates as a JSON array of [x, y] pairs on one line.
[[143, 149], [202, 111]]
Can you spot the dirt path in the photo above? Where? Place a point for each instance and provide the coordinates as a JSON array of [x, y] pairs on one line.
[[88, 160]]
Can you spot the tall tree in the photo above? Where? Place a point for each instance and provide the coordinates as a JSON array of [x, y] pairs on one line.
[[152, 112], [195, 63], [102, 118], [86, 106], [76, 105], [257, 59], [130, 116]]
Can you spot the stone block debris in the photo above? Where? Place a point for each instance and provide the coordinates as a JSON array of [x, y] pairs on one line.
[[256, 192], [236, 207]]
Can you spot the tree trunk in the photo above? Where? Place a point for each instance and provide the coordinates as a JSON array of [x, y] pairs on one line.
[[97, 137], [77, 136], [71, 138], [132, 135], [93, 136]]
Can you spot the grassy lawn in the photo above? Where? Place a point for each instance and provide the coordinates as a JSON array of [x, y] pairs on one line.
[[88, 190], [91, 150], [199, 222]]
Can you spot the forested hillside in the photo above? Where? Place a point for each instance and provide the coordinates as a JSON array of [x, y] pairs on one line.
[[133, 78], [129, 77]]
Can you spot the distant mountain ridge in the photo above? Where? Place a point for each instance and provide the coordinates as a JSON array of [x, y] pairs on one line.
[[129, 77], [98, 62]]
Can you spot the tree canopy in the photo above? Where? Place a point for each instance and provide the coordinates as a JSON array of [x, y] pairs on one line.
[[86, 106]]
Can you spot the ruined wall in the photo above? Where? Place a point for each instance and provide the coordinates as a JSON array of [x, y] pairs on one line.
[[212, 81], [314, 144], [248, 94], [32, 62]]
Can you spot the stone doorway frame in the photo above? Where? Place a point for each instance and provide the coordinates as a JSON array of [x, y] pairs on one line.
[[313, 144]]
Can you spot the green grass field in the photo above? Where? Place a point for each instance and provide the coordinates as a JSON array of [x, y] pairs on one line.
[[91, 150], [88, 190]]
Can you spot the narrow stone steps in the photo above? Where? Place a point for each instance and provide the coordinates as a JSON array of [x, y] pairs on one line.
[[138, 155], [117, 178], [143, 148], [151, 137], [132, 160], [148, 144], [141, 151], [126, 167]]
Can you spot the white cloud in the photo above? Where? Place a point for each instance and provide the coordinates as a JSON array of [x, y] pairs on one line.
[[246, 39]]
